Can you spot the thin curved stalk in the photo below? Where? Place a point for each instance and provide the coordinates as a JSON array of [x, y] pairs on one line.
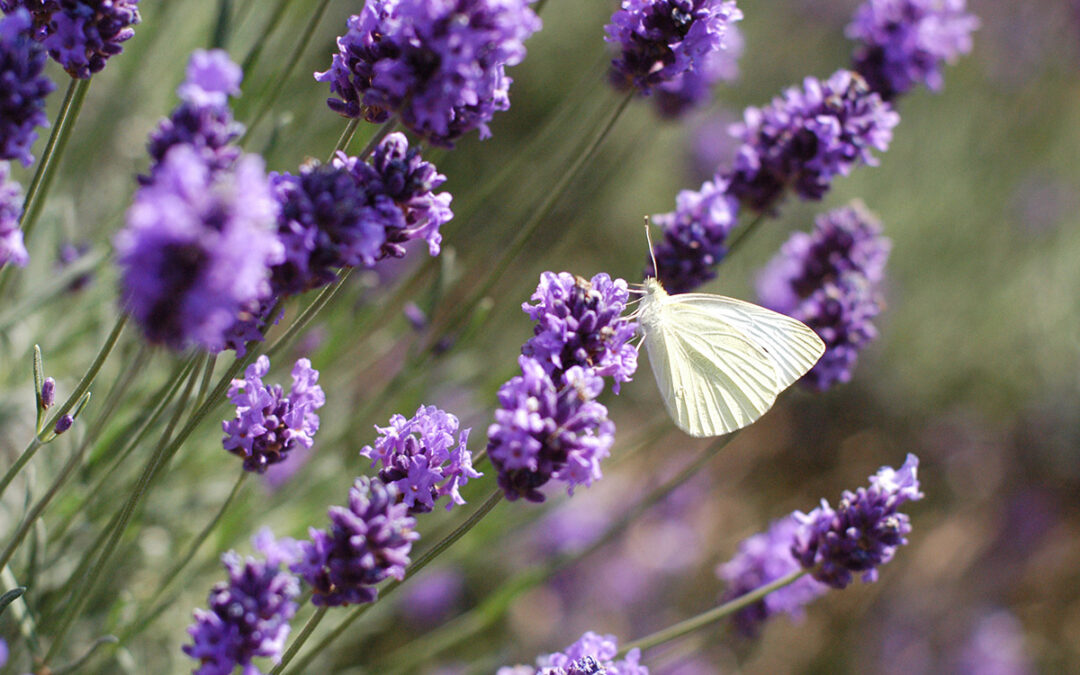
[[713, 615], [264, 35]]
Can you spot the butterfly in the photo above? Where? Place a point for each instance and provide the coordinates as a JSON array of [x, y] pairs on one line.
[[719, 362]]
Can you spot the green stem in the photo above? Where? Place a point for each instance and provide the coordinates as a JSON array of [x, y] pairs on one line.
[[525, 232], [741, 238], [301, 322], [346, 136], [715, 614], [278, 84], [301, 638], [81, 388], [253, 55], [413, 569], [380, 133], [54, 149], [89, 580], [54, 288], [208, 374], [143, 621]]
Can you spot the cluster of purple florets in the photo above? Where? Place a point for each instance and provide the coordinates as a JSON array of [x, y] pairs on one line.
[[12, 249], [593, 654], [695, 237], [693, 88], [80, 35], [439, 66], [248, 616], [269, 423], [829, 279], [549, 424], [368, 541], [424, 457], [25, 86], [807, 137], [858, 536], [672, 46], [904, 43]]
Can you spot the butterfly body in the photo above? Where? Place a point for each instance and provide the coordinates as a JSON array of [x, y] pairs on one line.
[[720, 363]]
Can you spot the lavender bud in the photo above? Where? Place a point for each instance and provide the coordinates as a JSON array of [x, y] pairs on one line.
[[48, 393], [63, 424]]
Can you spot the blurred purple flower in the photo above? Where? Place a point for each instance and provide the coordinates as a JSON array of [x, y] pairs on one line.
[[544, 430], [862, 532], [829, 280], [808, 136], [439, 66], [669, 43], [269, 424], [367, 542], [424, 457], [995, 647], [80, 35], [249, 614], [22, 98], [903, 43], [197, 248], [433, 596], [593, 654], [762, 559], [67, 254], [580, 323], [12, 248], [695, 234], [203, 120]]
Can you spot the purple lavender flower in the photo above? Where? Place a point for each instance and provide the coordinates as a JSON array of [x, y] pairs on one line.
[[903, 43], [995, 647], [693, 88], [424, 457], [22, 97], [695, 234], [269, 424], [203, 120], [545, 430], [864, 530], [828, 280], [12, 249], [367, 542], [579, 323], [762, 559], [806, 138], [249, 615], [251, 323], [666, 41], [438, 66], [400, 187], [197, 248], [593, 654], [431, 598], [81, 35], [326, 224]]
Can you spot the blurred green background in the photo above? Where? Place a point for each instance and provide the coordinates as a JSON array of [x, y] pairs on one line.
[[977, 368]]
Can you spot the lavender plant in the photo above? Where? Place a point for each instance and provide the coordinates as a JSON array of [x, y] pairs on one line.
[[235, 243]]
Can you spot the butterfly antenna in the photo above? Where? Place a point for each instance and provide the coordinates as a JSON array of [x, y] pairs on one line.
[[648, 238]]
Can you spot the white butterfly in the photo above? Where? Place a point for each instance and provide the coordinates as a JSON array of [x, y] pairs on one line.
[[720, 363]]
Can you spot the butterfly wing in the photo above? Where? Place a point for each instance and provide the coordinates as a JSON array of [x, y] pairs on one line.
[[792, 345], [712, 378]]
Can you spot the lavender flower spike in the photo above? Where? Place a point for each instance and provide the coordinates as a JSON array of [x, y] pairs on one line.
[[12, 249], [81, 35], [762, 559], [269, 424], [593, 654], [545, 430], [695, 237], [368, 542], [439, 66], [665, 41], [424, 457], [25, 86], [862, 532], [829, 280], [197, 248], [249, 614], [806, 138], [903, 43]]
